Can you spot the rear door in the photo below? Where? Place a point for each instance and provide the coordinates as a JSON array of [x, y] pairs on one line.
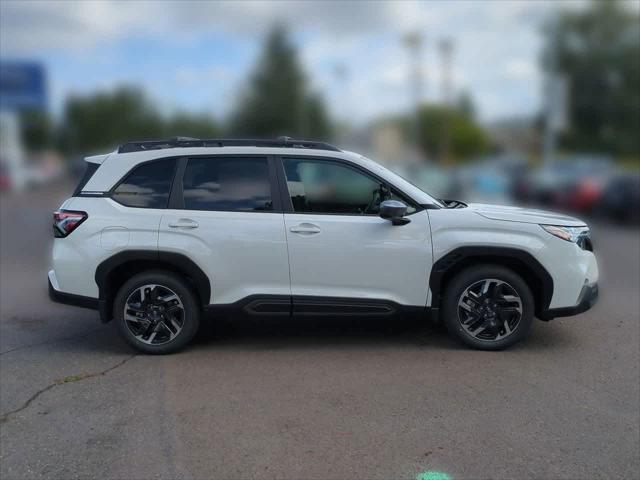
[[340, 251], [225, 215]]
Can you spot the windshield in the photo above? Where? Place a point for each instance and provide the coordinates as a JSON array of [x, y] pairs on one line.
[[403, 184]]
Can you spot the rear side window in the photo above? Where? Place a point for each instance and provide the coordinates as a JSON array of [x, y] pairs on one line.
[[148, 185], [88, 173], [227, 184]]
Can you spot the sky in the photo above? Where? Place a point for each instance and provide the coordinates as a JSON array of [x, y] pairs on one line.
[[197, 55]]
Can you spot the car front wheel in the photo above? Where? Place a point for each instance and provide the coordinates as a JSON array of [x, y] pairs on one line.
[[488, 307]]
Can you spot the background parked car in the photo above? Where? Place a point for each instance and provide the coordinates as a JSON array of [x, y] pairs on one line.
[[575, 183], [5, 181], [491, 179], [439, 182], [621, 198]]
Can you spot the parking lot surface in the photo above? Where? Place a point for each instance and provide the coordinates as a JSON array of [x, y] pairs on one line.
[[331, 399]]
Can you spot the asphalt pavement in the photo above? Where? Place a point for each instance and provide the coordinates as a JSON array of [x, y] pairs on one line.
[[332, 399]]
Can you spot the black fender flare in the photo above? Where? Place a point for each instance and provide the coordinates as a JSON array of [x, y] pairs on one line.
[[178, 262], [455, 259]]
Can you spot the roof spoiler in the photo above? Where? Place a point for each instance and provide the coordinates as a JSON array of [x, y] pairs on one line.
[[99, 159]]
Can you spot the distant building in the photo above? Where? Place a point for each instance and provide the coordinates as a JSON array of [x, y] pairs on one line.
[[22, 87], [389, 146], [515, 135]]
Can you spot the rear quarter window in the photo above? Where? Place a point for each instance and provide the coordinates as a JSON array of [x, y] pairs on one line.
[[90, 169], [148, 185]]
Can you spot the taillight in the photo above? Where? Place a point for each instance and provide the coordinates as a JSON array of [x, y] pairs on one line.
[[66, 221]]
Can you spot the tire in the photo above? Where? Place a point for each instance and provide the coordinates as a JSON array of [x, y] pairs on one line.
[[162, 320], [498, 318]]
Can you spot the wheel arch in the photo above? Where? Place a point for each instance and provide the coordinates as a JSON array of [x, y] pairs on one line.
[[520, 261], [115, 270]]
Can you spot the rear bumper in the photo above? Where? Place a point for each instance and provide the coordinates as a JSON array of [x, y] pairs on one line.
[[587, 299], [68, 298]]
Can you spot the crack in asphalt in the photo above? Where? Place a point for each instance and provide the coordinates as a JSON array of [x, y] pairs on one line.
[[69, 379], [46, 342]]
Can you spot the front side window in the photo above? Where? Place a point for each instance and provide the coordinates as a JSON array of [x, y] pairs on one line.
[[148, 185], [333, 188], [227, 184]]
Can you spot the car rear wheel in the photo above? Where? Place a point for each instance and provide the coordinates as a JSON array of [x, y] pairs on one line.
[[157, 312], [488, 307]]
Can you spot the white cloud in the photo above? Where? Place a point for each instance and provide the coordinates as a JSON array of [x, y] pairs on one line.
[[520, 69], [496, 43], [190, 76], [30, 25]]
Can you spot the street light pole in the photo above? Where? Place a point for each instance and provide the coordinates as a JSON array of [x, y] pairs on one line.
[[445, 46], [341, 74], [414, 42], [555, 97]]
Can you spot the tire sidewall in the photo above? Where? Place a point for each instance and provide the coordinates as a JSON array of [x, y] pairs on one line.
[[472, 275], [186, 296]]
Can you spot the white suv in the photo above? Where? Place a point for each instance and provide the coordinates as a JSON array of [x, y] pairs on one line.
[[159, 233]]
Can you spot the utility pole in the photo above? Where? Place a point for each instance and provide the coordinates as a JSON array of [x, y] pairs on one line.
[[445, 47], [341, 75], [556, 98], [414, 42]]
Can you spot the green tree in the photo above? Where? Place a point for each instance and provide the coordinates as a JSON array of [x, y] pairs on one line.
[[103, 120], [466, 105], [36, 129], [598, 50], [184, 124], [277, 100], [465, 138]]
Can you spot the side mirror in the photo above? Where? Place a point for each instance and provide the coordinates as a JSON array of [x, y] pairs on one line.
[[395, 211]]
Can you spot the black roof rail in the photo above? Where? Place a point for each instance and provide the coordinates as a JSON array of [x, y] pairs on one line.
[[177, 142]]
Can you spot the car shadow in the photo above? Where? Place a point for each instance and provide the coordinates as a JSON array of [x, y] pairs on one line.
[[550, 335], [280, 333], [274, 333]]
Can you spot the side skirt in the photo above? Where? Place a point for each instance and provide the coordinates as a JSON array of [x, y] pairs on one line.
[[312, 306]]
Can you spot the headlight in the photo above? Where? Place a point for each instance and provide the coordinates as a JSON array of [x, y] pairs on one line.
[[570, 234]]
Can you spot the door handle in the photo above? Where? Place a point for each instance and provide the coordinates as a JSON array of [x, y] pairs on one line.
[[184, 223], [305, 229]]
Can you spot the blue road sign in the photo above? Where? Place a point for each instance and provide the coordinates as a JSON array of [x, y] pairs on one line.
[[22, 85]]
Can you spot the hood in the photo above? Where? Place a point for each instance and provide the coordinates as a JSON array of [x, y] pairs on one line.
[[525, 215]]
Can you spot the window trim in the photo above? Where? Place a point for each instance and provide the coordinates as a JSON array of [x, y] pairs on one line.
[[286, 197], [277, 179], [112, 191], [90, 170], [176, 199]]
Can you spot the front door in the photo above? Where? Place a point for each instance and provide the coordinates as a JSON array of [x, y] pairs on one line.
[[340, 250]]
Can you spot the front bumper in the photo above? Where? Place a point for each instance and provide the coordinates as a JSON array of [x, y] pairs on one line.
[[587, 299]]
